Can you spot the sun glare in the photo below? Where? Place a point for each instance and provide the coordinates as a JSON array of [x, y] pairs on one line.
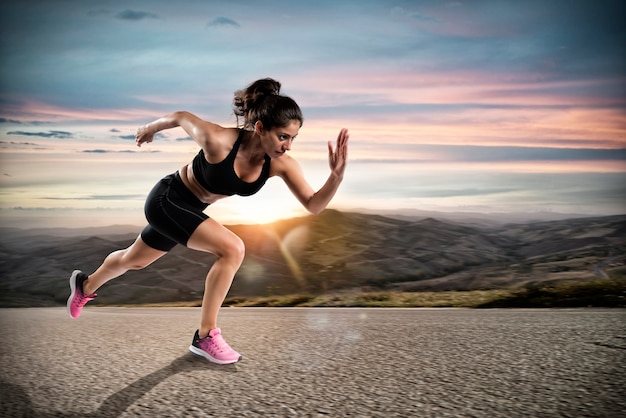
[[255, 210]]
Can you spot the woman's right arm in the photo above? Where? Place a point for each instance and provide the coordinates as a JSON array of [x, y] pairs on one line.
[[195, 127]]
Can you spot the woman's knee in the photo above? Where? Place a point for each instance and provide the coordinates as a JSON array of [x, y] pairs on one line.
[[233, 249], [218, 240]]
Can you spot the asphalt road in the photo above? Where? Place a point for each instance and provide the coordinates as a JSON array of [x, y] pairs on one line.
[[315, 362]]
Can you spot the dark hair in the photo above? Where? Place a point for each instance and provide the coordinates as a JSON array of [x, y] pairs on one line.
[[261, 101]]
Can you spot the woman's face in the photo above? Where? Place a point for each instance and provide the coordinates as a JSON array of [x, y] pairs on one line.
[[277, 141]]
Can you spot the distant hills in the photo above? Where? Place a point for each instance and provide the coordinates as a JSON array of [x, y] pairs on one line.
[[333, 251]]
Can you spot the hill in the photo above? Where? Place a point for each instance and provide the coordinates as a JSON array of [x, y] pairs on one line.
[[329, 252]]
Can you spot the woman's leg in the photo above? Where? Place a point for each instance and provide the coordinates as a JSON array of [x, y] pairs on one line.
[[214, 238], [135, 257]]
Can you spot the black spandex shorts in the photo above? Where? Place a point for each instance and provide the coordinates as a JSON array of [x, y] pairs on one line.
[[173, 213]]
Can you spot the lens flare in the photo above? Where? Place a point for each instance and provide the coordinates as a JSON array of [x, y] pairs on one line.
[[290, 247], [251, 270]]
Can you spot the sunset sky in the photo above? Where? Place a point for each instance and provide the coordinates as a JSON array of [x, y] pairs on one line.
[[475, 106]]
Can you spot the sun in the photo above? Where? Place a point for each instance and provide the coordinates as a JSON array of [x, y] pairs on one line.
[[265, 207]]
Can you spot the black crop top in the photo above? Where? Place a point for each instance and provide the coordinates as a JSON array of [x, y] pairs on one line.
[[221, 178]]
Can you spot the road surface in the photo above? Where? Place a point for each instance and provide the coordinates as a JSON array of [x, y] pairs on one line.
[[129, 362]]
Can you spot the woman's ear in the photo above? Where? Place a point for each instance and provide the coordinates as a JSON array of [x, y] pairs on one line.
[[258, 127]]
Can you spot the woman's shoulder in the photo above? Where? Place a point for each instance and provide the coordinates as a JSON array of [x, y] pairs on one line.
[[223, 135], [284, 165], [219, 141]]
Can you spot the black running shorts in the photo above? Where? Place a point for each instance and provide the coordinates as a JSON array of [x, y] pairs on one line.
[[173, 213]]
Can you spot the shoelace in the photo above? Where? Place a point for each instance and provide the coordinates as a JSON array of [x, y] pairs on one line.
[[221, 344], [82, 299], [218, 343]]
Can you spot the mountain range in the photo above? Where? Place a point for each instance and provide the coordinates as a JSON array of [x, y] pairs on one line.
[[333, 251]]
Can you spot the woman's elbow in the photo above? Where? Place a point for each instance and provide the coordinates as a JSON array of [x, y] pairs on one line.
[[314, 209], [314, 204], [179, 115]]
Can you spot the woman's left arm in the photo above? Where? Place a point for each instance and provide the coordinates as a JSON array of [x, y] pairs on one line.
[[313, 201]]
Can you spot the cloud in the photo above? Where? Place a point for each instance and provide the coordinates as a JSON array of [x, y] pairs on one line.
[[105, 151], [99, 197], [511, 154], [49, 134], [401, 153], [390, 160], [5, 120], [18, 143], [399, 12], [465, 192], [19, 122], [223, 21], [135, 15], [157, 136]]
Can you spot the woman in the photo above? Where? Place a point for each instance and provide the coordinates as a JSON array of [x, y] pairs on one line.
[[231, 161]]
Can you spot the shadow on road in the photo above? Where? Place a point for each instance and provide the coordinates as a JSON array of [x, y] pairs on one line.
[[16, 402], [117, 403]]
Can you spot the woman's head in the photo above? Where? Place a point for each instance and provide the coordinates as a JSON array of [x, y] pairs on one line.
[[261, 101]]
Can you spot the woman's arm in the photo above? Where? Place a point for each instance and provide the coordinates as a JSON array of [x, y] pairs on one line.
[[195, 127], [313, 201]]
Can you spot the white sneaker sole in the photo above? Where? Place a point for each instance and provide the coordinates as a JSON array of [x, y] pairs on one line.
[[72, 292], [199, 352]]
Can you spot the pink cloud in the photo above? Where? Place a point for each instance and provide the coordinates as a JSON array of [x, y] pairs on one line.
[[471, 108], [32, 111]]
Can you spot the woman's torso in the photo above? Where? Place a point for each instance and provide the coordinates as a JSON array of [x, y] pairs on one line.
[[234, 174]]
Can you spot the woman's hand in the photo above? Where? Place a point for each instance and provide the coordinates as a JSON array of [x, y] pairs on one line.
[[143, 135], [338, 157]]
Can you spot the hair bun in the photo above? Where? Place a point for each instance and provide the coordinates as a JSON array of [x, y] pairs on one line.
[[264, 87], [262, 101]]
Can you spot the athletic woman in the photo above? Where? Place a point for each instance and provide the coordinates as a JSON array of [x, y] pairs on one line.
[[231, 161]]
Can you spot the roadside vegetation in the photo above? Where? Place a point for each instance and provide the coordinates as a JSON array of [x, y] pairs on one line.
[[606, 293], [597, 293]]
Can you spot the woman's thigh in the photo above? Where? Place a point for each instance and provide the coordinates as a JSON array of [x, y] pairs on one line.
[[211, 236]]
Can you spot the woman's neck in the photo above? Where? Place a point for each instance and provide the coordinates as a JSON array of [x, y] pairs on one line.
[[251, 147]]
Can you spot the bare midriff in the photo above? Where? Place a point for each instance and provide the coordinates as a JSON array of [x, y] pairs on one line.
[[189, 180]]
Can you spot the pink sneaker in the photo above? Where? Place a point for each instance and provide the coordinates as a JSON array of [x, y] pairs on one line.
[[214, 348], [77, 298]]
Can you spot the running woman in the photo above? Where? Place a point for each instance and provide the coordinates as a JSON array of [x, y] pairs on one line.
[[231, 161]]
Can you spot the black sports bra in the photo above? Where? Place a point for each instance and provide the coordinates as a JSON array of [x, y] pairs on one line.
[[221, 178]]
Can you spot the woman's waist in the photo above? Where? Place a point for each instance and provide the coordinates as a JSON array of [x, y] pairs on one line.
[[187, 179]]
